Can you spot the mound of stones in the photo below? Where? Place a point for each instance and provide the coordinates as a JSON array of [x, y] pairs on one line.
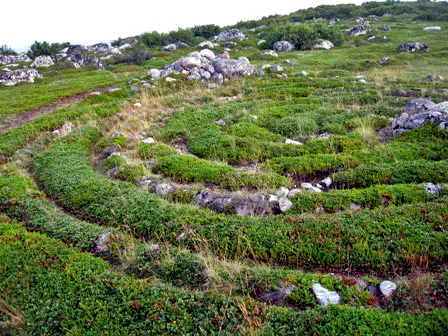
[[231, 34], [413, 47], [205, 65], [11, 78], [5, 60], [417, 112], [357, 30]]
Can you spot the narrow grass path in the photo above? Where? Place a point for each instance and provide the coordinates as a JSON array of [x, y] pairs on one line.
[[17, 120]]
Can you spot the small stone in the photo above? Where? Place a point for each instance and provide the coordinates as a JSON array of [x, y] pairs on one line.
[[138, 105], [284, 204], [154, 248], [220, 122], [324, 296], [117, 134], [294, 192], [431, 188], [149, 140], [354, 206], [327, 181], [254, 117], [310, 187], [163, 189], [170, 79], [303, 73], [387, 288], [293, 142], [272, 198], [95, 93], [282, 192]]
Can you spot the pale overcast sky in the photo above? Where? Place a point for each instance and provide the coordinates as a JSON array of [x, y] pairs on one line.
[[91, 21]]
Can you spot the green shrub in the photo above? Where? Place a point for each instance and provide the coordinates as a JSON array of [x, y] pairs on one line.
[[7, 51], [152, 151], [138, 53], [376, 196], [87, 297], [206, 31], [393, 173], [298, 126], [45, 48]]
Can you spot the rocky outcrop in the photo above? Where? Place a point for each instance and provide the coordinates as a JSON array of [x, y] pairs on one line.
[[11, 78], [357, 30], [104, 49], [283, 46], [5, 60], [417, 112], [413, 47], [231, 34], [42, 61], [83, 60]]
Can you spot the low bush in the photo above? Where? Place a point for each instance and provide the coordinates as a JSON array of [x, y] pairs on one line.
[[376, 196], [393, 173], [138, 53], [45, 48], [87, 297], [304, 36], [206, 31]]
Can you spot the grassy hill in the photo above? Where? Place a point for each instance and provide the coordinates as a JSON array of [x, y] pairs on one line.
[[89, 247]]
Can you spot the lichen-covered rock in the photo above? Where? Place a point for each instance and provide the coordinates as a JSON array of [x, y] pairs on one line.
[[386, 28], [284, 204], [432, 188], [11, 78], [81, 60], [42, 61], [230, 34], [323, 44], [154, 74], [169, 47], [357, 30], [324, 296], [413, 47], [233, 68], [283, 46], [103, 49], [419, 111], [208, 44]]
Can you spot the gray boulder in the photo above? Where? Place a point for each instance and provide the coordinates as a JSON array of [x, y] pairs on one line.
[[230, 34], [357, 30], [387, 288], [324, 296], [413, 47], [11, 78], [386, 28], [323, 44], [417, 112], [432, 28], [233, 68], [103, 49], [432, 188], [283, 46], [170, 47], [208, 44], [42, 61]]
